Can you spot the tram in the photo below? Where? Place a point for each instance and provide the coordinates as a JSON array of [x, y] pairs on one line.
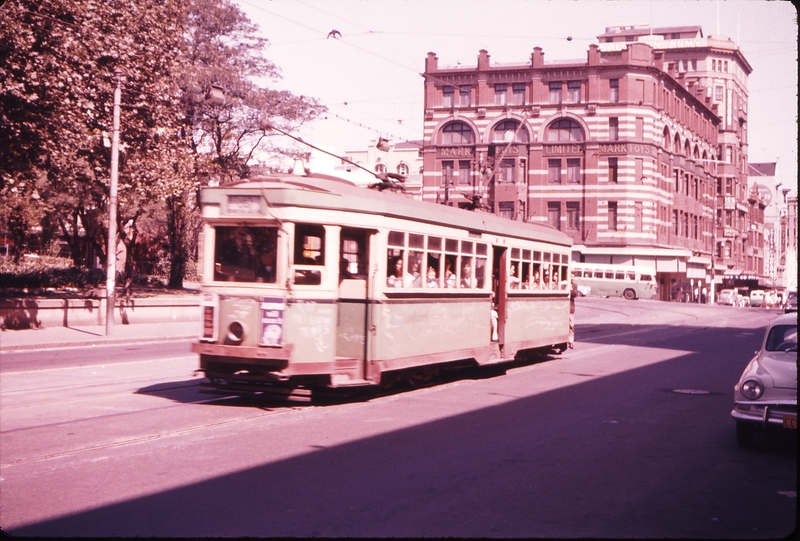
[[311, 282]]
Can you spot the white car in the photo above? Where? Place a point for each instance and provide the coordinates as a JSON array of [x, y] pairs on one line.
[[766, 395], [757, 297], [728, 296]]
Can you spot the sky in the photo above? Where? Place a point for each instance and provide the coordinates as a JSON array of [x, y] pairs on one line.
[[369, 75]]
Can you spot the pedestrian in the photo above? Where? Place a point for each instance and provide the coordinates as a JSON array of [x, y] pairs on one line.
[[572, 294]]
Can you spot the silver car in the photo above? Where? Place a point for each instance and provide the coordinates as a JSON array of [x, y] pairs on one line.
[[766, 395]]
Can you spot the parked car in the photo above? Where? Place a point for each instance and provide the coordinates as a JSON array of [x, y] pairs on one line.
[[757, 297], [766, 395], [791, 302], [728, 296]]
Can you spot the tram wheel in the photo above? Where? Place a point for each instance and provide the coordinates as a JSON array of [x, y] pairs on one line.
[[629, 294]]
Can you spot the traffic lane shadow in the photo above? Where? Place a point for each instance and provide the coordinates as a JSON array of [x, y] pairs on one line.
[[679, 337], [618, 456]]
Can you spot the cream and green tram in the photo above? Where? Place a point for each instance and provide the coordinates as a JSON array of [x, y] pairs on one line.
[[312, 282]]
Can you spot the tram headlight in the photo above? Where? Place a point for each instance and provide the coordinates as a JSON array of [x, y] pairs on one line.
[[236, 332]]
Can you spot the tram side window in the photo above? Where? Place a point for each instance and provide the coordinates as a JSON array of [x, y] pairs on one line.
[[433, 263], [309, 251], [420, 261], [646, 278], [245, 254], [536, 275], [555, 276], [354, 257], [480, 265], [395, 268]]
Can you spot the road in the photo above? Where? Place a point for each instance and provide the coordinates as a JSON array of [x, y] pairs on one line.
[[627, 435]]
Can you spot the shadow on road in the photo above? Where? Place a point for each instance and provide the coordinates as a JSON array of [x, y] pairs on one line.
[[621, 456]]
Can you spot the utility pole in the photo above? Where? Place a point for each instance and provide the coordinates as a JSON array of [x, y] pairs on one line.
[[111, 260]]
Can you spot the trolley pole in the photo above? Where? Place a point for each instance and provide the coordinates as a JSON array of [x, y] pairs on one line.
[[111, 260]]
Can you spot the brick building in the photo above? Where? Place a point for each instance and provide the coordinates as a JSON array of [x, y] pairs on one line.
[[627, 151]]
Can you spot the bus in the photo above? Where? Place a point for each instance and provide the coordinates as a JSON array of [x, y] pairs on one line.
[[615, 280], [311, 282]]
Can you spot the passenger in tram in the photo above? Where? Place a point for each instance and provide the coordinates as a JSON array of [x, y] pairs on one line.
[[536, 283], [546, 279], [449, 275], [415, 276], [396, 279], [432, 280], [265, 271], [466, 278], [513, 281]]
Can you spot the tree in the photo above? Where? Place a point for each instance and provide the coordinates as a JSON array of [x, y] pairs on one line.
[[224, 51], [59, 63], [59, 66]]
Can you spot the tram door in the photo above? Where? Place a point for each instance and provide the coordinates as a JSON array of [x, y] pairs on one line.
[[500, 288], [353, 316]]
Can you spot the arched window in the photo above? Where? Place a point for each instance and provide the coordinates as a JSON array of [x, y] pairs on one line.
[[402, 169], [666, 137], [564, 130], [380, 168], [696, 153], [676, 146], [456, 133], [687, 149], [507, 131]]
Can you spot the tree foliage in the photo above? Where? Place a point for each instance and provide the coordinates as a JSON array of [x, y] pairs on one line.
[[59, 63]]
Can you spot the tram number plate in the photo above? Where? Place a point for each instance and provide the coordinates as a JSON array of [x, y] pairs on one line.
[[790, 421]]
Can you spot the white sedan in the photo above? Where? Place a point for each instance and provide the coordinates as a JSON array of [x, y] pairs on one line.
[[766, 395]]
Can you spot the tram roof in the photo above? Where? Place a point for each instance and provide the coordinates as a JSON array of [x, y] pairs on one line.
[[328, 192]]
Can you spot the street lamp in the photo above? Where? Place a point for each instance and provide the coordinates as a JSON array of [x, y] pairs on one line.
[[111, 259]]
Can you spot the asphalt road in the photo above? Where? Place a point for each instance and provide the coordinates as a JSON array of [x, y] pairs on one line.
[[627, 435]]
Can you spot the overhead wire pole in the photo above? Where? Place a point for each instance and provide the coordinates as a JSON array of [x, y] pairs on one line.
[[111, 259]]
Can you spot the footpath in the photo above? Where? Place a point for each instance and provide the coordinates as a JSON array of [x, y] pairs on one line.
[[95, 335], [29, 324]]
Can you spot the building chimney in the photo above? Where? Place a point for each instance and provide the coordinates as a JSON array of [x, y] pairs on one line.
[[537, 58], [483, 60], [594, 55], [431, 63]]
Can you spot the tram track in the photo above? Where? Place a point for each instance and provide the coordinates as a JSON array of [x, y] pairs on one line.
[[142, 439]]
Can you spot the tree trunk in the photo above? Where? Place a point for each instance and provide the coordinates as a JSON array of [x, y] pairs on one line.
[[177, 241]]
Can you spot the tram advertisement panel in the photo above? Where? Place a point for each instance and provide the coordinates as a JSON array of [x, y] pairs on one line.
[[272, 310]]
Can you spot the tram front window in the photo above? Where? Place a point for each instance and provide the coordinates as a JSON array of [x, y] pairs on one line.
[[245, 254]]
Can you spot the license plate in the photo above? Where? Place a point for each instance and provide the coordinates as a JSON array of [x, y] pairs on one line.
[[790, 422]]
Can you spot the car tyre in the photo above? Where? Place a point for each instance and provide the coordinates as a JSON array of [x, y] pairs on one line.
[[744, 434], [629, 294]]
